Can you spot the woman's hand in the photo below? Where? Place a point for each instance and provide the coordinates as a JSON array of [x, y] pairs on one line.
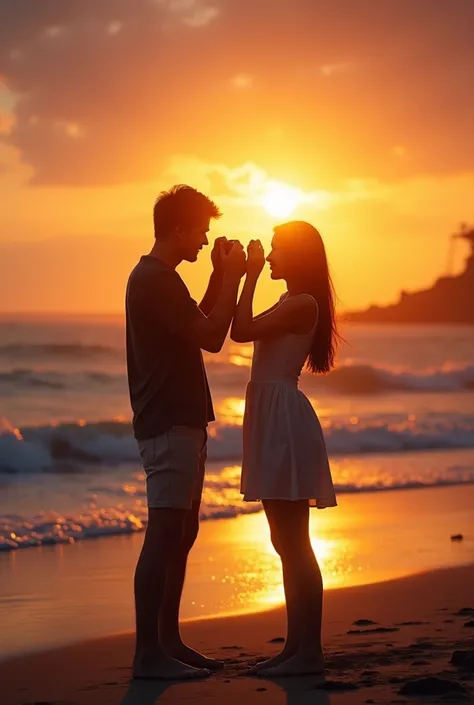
[[255, 258]]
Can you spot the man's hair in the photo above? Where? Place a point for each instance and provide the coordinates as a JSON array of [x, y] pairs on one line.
[[181, 206]]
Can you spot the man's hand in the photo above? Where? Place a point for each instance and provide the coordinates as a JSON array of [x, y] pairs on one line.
[[209, 330], [234, 262], [216, 255]]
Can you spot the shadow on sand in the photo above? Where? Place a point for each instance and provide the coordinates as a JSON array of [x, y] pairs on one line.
[[289, 691]]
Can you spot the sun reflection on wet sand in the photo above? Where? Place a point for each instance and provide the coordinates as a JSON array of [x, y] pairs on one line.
[[83, 590], [244, 560], [350, 548]]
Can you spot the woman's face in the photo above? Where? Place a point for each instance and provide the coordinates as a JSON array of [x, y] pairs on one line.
[[278, 259], [281, 258]]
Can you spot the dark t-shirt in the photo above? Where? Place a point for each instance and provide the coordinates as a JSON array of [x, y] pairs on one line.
[[166, 376]]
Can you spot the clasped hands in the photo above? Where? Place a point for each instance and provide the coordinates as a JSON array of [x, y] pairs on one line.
[[229, 257]]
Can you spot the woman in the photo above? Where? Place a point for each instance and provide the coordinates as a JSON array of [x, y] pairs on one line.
[[285, 463]]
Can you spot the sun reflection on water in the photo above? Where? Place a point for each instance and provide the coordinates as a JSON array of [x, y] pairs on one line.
[[239, 360], [231, 410]]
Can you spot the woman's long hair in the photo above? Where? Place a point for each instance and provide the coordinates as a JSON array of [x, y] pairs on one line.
[[309, 260]]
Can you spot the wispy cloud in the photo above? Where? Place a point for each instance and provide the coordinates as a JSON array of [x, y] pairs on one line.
[[244, 186], [192, 13], [337, 68], [242, 80], [7, 121]]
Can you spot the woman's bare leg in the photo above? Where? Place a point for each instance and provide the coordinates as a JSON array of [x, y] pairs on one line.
[[289, 522], [292, 636]]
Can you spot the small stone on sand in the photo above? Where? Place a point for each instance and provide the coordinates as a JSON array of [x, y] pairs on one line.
[[431, 686]]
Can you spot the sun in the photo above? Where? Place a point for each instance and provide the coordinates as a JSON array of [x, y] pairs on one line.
[[279, 200]]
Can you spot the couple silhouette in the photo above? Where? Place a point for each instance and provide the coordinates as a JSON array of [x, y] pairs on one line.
[[284, 464]]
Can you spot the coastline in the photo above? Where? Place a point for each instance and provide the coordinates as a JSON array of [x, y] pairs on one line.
[[416, 625]]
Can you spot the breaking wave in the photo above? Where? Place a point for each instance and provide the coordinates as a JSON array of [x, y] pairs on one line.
[[68, 446]]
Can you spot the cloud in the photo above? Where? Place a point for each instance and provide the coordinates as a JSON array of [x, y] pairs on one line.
[[338, 67], [201, 16], [242, 80], [243, 186], [114, 27], [400, 151], [14, 173], [7, 122], [143, 80], [368, 225], [192, 13]]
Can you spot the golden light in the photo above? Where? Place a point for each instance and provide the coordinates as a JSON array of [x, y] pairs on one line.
[[232, 409], [279, 200], [240, 361]]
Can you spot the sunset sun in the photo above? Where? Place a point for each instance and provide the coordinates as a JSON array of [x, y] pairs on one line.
[[280, 200]]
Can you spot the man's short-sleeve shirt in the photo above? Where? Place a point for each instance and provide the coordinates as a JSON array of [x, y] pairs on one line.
[[166, 376]]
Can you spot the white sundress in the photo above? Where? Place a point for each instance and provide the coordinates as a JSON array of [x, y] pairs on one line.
[[284, 453]]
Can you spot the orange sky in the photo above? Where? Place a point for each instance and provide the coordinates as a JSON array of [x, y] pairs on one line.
[[363, 106]]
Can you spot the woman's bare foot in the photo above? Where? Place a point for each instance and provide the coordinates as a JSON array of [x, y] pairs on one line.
[[194, 658], [166, 668], [271, 662], [300, 664]]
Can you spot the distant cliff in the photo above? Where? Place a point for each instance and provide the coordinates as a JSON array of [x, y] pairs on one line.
[[449, 300]]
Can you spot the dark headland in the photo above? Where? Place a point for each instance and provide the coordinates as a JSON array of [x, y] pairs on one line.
[[449, 300]]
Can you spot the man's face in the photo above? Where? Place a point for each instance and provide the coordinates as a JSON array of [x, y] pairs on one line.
[[192, 239]]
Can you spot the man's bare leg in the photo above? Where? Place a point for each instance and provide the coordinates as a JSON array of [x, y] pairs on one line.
[[161, 543], [169, 632]]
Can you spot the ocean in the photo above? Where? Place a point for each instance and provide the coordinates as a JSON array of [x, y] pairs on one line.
[[69, 467]]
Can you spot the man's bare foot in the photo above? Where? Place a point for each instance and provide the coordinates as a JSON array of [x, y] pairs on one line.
[[194, 658], [271, 662], [166, 668], [301, 664]]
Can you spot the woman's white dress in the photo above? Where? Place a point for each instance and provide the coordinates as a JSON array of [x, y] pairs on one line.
[[284, 454]]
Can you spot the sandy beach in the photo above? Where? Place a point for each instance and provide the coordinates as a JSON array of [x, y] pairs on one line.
[[378, 639]]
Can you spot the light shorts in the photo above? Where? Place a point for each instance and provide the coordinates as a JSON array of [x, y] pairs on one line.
[[174, 463]]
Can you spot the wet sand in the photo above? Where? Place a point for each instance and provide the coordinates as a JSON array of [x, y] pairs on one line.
[[378, 638]]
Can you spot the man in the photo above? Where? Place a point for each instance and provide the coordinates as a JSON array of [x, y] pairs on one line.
[[171, 403]]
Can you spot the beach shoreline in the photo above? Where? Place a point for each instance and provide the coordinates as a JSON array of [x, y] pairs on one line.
[[70, 593], [377, 638]]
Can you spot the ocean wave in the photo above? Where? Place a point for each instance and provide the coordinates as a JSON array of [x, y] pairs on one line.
[[17, 351], [221, 500], [359, 379], [20, 380], [344, 380], [367, 379], [68, 447], [17, 531]]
